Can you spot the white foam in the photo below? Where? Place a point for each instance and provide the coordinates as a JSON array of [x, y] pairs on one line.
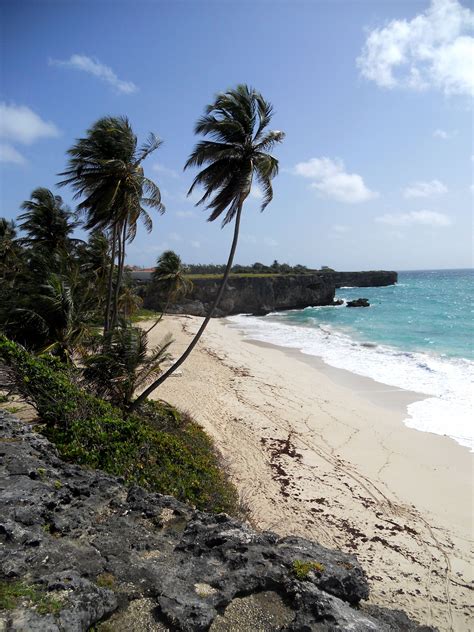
[[448, 409]]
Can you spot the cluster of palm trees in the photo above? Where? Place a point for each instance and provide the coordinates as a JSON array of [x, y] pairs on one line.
[[59, 290]]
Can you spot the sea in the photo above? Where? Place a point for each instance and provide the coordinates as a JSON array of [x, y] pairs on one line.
[[417, 335]]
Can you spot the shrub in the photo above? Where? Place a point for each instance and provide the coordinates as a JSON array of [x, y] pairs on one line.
[[158, 448]]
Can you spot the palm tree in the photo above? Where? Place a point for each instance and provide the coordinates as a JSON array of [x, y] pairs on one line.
[[169, 278], [48, 223], [125, 365], [11, 252], [129, 301], [237, 124], [105, 169]]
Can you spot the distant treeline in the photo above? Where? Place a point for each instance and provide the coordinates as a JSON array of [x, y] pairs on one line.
[[255, 268]]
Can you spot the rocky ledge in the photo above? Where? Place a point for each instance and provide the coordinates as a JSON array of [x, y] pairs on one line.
[[81, 551]]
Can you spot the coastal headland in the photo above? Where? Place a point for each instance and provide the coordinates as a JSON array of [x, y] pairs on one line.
[[323, 454], [262, 293]]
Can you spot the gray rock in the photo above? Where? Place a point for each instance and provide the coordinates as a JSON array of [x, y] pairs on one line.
[[139, 561]]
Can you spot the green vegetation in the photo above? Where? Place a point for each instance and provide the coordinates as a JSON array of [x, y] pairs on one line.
[[16, 593], [207, 270], [158, 448], [68, 305], [301, 569]]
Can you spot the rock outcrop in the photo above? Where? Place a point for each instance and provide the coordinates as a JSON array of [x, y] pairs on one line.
[[252, 295], [358, 302], [262, 294], [122, 559]]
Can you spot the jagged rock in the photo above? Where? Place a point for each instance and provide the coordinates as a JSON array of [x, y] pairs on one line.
[[359, 302], [149, 562]]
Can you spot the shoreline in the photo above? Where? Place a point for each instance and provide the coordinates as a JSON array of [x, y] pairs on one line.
[[317, 458]]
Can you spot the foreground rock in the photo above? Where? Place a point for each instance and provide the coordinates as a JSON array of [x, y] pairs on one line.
[[98, 551]]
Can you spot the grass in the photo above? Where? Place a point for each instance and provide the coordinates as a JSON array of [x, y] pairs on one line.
[[301, 569], [159, 448], [14, 594], [145, 314]]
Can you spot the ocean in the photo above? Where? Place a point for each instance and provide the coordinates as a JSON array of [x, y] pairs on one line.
[[417, 335]]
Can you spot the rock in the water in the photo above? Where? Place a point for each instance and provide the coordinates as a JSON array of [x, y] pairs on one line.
[[359, 302], [100, 552]]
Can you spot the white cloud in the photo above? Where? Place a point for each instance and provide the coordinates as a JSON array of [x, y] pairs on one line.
[[424, 218], [249, 239], [10, 154], [184, 214], [340, 228], [330, 178], [96, 68], [195, 244], [443, 134], [433, 50], [20, 124], [269, 241], [165, 171], [425, 189], [175, 237]]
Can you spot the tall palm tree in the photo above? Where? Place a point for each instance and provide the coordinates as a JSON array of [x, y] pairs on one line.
[[169, 278], [237, 151], [105, 170], [47, 222]]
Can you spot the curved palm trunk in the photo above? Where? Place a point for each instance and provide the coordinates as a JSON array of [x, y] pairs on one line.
[[160, 317], [195, 340], [121, 263], [110, 282]]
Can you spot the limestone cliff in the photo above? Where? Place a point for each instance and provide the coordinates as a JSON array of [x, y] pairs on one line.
[[263, 294]]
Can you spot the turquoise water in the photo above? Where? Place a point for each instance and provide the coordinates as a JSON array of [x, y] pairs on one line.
[[417, 335], [429, 311]]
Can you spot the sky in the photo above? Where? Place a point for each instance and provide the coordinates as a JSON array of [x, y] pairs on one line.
[[375, 98]]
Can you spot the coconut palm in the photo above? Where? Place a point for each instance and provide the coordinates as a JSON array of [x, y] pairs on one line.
[[48, 223], [237, 152], [125, 365], [105, 170], [11, 252], [170, 280], [129, 302]]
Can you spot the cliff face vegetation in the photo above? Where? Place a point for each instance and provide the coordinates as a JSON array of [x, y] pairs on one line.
[[260, 294]]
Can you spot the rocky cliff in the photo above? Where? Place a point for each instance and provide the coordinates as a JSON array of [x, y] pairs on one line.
[[79, 549], [253, 294], [263, 294]]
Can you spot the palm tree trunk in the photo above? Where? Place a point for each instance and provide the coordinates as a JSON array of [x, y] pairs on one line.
[[195, 340], [110, 282], [160, 317], [121, 263]]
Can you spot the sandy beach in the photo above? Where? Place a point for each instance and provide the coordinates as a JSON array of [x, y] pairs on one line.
[[323, 453]]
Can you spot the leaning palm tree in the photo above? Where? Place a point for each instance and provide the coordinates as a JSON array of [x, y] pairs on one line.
[[237, 151], [105, 170], [169, 278], [47, 222]]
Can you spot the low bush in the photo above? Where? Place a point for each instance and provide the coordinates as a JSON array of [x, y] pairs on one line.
[[158, 448]]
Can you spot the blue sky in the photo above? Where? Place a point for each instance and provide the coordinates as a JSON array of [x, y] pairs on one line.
[[375, 98]]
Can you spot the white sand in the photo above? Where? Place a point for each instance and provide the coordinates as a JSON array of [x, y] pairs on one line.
[[324, 454]]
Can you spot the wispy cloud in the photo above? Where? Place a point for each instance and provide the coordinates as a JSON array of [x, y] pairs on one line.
[[443, 134], [94, 67], [433, 50], [9, 154], [425, 189], [175, 236], [340, 228], [424, 218], [195, 244], [184, 214], [330, 179], [165, 171], [256, 192], [21, 125]]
